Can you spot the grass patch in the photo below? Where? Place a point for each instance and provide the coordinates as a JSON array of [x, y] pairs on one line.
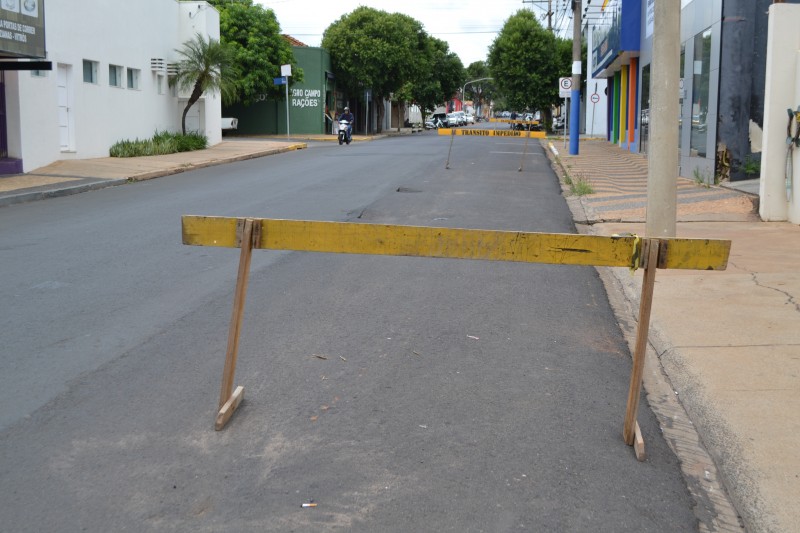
[[751, 166], [579, 185], [701, 178], [162, 142]]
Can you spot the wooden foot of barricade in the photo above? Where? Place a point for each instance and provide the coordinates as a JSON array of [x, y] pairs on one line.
[[415, 241], [247, 233]]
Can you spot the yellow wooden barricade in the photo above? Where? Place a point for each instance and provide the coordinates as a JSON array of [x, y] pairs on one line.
[[475, 132], [420, 241]]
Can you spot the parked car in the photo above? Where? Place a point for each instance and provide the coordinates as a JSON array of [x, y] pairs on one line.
[[459, 118], [470, 118], [452, 120]]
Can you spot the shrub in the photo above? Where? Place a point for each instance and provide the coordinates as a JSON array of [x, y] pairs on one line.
[[162, 142]]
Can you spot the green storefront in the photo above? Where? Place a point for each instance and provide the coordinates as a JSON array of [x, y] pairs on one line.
[[308, 101]]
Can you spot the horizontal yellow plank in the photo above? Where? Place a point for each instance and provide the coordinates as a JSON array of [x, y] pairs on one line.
[[694, 254], [421, 241], [493, 133], [417, 241]]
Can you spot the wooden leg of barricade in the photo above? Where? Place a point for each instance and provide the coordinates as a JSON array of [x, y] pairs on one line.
[[452, 136], [229, 400], [524, 153], [631, 432]]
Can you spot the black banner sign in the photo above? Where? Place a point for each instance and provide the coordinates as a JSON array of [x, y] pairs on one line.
[[22, 28]]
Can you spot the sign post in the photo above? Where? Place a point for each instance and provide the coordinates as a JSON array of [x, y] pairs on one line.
[[286, 71], [594, 98], [565, 91]]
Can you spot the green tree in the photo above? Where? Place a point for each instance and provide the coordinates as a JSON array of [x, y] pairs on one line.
[[255, 35], [439, 76], [373, 49], [526, 61], [481, 91], [207, 65]]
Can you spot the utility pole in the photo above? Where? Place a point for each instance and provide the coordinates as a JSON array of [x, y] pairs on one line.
[[549, 11], [662, 167], [575, 105]]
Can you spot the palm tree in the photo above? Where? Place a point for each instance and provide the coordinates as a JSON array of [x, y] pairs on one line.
[[207, 65]]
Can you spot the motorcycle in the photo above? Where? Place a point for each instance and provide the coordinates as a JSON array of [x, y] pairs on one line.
[[344, 132]]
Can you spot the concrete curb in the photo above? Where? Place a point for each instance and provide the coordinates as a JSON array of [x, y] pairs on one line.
[[214, 162], [62, 191], [714, 508], [678, 419], [102, 183]]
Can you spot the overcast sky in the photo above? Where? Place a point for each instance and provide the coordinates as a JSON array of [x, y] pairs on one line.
[[469, 26]]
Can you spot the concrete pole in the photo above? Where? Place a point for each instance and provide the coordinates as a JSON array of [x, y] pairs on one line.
[[575, 107], [663, 157]]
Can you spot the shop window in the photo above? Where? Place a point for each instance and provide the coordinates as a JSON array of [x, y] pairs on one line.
[[644, 115], [701, 76]]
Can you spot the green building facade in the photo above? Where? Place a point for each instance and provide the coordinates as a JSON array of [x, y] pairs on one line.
[[308, 101]]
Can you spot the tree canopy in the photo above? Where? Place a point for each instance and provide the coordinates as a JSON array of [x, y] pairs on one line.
[[480, 91], [526, 61], [390, 53], [255, 35], [439, 76]]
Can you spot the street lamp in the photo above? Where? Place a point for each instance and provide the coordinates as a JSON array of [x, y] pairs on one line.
[[464, 89]]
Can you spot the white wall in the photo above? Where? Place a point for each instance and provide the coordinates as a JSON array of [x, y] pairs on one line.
[[595, 115], [119, 32], [782, 93]]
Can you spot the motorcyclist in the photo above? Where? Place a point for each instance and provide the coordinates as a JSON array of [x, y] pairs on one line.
[[348, 116]]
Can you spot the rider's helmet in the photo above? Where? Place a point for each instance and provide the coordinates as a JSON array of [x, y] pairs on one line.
[[346, 109]]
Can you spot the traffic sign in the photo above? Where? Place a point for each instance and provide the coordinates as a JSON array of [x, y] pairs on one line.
[[565, 87], [595, 98], [279, 81]]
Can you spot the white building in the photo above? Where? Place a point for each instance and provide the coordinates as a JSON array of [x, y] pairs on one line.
[[109, 77]]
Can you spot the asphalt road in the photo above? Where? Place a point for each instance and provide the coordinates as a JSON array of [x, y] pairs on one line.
[[399, 394]]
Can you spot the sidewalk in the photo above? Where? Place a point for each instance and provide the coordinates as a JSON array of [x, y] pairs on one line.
[[79, 175], [724, 346]]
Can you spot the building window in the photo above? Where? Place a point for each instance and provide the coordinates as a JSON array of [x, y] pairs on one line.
[[700, 91], [39, 73], [160, 83], [133, 78], [89, 71], [115, 75], [644, 116]]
